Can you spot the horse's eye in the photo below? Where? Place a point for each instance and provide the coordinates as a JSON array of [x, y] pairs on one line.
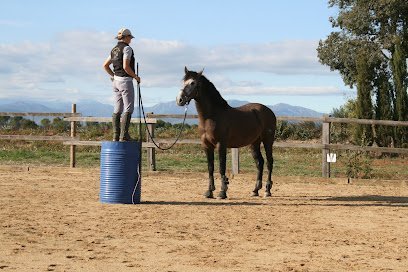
[[192, 83]]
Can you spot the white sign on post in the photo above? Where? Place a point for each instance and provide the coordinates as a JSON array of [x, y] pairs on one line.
[[331, 157]]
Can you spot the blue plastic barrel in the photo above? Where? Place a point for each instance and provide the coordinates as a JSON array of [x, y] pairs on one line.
[[120, 179]]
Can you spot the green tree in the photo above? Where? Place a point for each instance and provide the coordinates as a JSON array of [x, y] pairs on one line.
[[15, 122], [60, 125], [339, 133], [28, 124], [4, 120], [348, 110], [364, 109], [379, 30], [399, 69], [384, 109], [45, 123]]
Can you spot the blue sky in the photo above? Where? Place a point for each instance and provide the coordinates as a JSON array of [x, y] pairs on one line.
[[259, 51]]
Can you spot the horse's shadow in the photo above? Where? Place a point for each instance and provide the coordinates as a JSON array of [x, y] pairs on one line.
[[366, 200], [346, 201], [203, 203]]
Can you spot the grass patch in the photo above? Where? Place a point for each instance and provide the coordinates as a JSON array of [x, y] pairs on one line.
[[34, 155], [191, 158]]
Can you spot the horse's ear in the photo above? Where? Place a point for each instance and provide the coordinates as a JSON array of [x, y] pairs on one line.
[[201, 72], [185, 70]]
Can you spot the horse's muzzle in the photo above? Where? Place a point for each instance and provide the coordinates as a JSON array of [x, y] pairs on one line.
[[181, 99]]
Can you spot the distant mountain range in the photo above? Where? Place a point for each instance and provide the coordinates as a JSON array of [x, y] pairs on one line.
[[280, 109], [85, 107], [97, 109]]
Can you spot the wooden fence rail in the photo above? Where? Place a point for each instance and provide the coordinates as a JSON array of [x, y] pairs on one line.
[[325, 146], [73, 140], [37, 138], [323, 119], [151, 121], [151, 153]]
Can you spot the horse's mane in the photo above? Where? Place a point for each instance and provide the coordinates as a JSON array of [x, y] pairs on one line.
[[210, 91]]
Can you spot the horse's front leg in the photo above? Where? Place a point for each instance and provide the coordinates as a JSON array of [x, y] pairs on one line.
[[222, 152], [209, 151], [259, 161]]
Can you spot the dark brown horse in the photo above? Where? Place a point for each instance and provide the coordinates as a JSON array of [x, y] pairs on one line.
[[222, 126]]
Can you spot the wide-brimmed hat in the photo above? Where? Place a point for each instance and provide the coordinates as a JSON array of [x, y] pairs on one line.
[[123, 32]]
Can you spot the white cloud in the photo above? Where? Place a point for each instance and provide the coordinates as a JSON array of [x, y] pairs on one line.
[[74, 59], [301, 90], [280, 58]]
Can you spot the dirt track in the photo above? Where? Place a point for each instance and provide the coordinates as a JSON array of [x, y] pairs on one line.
[[51, 220]]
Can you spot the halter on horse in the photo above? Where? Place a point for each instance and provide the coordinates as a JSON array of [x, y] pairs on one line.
[[222, 126]]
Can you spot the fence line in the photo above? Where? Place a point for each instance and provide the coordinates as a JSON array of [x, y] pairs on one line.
[[322, 119], [56, 114], [37, 138], [106, 119], [151, 120], [325, 146]]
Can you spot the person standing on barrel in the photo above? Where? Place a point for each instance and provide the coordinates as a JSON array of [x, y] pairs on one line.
[[123, 61]]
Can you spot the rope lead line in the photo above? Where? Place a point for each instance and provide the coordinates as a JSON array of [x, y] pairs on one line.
[[137, 184], [179, 133], [150, 135]]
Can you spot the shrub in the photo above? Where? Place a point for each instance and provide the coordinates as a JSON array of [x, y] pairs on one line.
[[358, 164]]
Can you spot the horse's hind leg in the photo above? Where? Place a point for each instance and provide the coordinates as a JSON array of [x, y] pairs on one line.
[[259, 161], [269, 158]]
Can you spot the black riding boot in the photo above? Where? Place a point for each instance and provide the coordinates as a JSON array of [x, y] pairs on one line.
[[116, 126], [124, 127]]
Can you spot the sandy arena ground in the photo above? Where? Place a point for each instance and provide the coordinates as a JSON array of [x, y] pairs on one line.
[[52, 220]]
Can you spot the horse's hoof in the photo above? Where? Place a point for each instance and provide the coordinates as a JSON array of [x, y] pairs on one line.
[[209, 194], [268, 194], [222, 195], [255, 193]]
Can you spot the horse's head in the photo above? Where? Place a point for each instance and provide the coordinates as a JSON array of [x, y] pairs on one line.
[[190, 89]]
